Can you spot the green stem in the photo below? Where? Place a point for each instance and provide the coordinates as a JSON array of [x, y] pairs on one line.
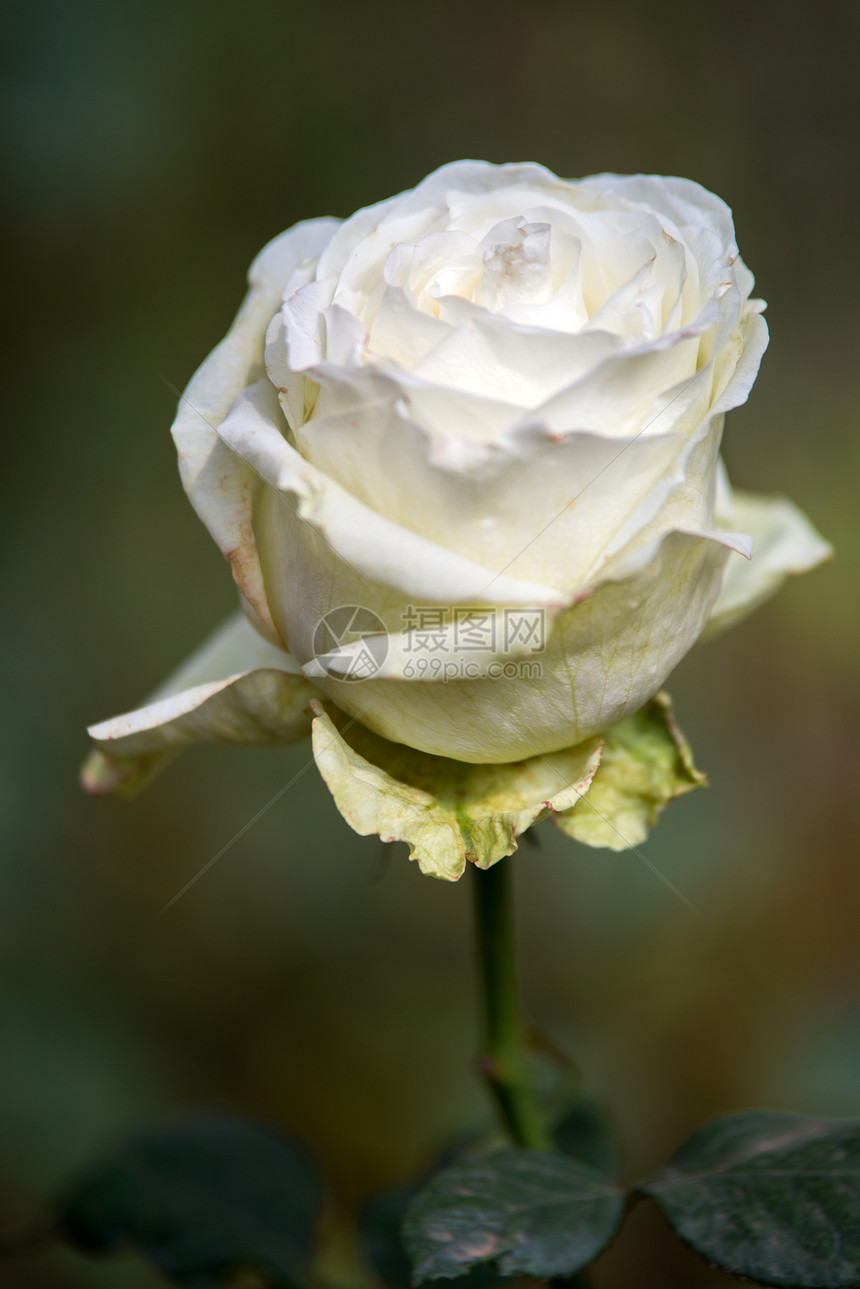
[[504, 1063]]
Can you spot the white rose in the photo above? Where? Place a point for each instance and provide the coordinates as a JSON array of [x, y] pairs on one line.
[[500, 391]]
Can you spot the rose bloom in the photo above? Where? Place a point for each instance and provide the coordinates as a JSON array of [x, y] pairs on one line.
[[497, 396]]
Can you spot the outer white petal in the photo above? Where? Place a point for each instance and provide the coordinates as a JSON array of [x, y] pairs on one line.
[[606, 656], [236, 688], [218, 484], [784, 542], [683, 500], [497, 635]]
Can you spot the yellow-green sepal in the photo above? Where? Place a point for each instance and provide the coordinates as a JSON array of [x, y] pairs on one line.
[[646, 764], [448, 812]]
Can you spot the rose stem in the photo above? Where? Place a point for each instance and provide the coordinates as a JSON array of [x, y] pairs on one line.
[[504, 1062]]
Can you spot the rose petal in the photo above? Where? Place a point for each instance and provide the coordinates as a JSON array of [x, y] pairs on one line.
[[375, 554], [475, 637], [219, 485], [784, 542], [237, 688], [701, 218], [606, 656], [535, 505]]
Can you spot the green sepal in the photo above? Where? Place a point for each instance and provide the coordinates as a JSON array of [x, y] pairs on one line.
[[646, 764], [448, 812]]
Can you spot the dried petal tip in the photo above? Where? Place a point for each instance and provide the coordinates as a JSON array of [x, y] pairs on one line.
[[103, 775], [237, 688]]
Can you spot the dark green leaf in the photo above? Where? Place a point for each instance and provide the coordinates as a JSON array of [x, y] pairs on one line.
[[380, 1232], [200, 1199], [582, 1133], [771, 1196], [527, 1212]]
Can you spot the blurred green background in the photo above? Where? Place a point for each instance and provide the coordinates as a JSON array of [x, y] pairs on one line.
[[312, 977]]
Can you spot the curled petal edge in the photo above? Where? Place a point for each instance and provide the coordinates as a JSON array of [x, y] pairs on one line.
[[783, 542], [219, 485], [237, 688], [395, 654], [386, 554]]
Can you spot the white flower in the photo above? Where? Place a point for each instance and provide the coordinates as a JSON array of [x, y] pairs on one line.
[[501, 392]]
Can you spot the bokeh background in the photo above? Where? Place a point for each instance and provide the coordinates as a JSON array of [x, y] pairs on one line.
[[311, 977]]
